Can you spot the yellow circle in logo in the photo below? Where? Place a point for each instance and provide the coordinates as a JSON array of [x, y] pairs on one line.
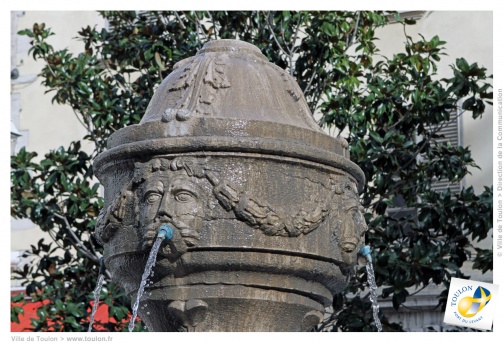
[[465, 305]]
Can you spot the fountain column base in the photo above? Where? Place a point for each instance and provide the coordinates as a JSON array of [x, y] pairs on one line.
[[250, 291], [230, 308]]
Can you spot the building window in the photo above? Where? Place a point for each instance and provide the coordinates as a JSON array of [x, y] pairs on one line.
[[450, 131], [452, 134]]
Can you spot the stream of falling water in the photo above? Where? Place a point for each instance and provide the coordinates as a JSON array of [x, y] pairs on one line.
[[96, 295], [151, 261], [373, 297]]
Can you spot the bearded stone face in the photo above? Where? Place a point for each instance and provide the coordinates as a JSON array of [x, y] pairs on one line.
[[353, 229], [173, 198], [352, 225]]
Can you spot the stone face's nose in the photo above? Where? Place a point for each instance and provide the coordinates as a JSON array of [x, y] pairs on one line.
[[254, 190], [166, 206]]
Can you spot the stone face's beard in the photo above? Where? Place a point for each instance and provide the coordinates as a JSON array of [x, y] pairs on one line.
[[184, 236]]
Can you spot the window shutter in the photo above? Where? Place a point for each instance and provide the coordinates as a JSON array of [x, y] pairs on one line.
[[452, 133]]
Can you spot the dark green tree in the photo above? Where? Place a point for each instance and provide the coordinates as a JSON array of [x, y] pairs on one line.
[[391, 112]]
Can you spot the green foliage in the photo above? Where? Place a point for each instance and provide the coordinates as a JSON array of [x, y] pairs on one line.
[[59, 195], [390, 109]]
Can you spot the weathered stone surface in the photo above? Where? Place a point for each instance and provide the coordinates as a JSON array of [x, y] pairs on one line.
[[264, 204]]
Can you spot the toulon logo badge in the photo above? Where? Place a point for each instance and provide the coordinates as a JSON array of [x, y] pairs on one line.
[[471, 303]]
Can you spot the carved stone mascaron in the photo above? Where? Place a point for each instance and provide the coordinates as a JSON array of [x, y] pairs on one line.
[[264, 204]]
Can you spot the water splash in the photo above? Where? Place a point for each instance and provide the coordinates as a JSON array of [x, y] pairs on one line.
[[151, 261], [96, 295], [373, 297]]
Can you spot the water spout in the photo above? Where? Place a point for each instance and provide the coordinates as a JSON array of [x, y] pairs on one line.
[[365, 251], [165, 232]]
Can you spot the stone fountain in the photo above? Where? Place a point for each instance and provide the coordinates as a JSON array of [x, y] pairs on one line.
[[264, 205]]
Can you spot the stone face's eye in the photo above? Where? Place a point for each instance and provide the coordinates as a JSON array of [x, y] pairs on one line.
[[359, 220], [184, 196], [355, 215], [152, 197]]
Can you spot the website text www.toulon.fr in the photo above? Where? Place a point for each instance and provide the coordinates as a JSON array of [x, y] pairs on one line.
[[88, 339]]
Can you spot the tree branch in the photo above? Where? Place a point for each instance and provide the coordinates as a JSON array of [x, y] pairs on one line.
[[273, 33], [198, 22], [180, 20], [349, 44], [77, 243], [214, 26], [292, 49], [311, 80], [88, 128]]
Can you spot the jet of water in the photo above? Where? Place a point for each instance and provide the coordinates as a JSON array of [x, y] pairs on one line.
[[373, 297], [366, 252], [164, 232], [96, 294]]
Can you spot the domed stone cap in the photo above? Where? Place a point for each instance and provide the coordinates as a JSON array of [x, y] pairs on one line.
[[230, 79], [229, 98]]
